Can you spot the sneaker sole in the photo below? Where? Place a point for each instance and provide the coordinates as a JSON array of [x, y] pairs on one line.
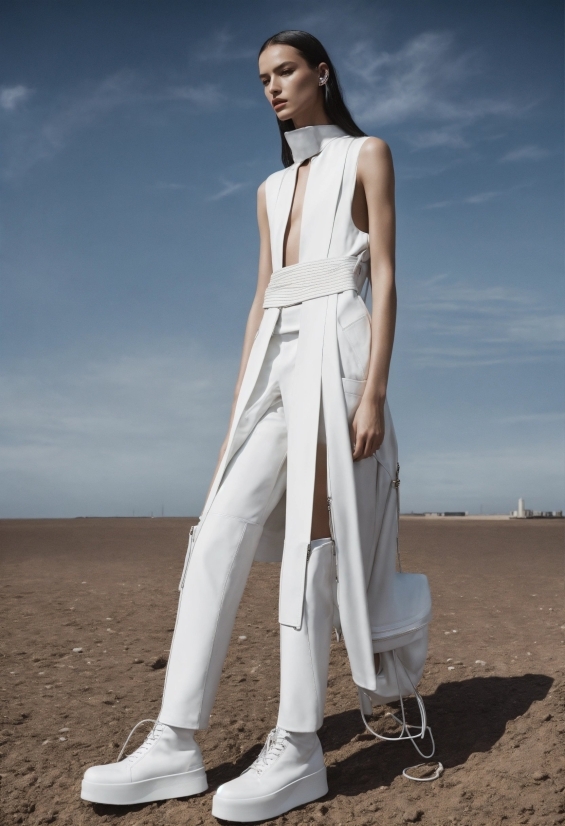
[[301, 791], [144, 791]]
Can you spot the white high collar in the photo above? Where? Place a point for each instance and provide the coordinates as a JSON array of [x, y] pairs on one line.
[[309, 140]]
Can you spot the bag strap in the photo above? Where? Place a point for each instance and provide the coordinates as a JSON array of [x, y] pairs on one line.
[[405, 730], [405, 733]]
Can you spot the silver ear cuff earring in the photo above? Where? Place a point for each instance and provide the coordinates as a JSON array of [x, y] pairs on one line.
[[323, 80]]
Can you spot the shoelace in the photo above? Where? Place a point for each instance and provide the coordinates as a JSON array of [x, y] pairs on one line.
[[147, 743], [274, 746]]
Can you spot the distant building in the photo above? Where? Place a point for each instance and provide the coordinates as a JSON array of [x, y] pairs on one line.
[[521, 513], [525, 513], [445, 513]]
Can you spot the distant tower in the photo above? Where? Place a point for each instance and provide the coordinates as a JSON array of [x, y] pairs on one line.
[[521, 510]]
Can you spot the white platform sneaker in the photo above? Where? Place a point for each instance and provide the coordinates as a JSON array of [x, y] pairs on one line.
[[289, 772], [167, 764]]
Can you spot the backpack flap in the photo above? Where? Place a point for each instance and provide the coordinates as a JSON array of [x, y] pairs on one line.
[[408, 611]]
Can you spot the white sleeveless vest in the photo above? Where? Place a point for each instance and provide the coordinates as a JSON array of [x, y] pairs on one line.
[[331, 368]]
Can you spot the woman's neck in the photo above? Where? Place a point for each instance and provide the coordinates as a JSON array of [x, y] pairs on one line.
[[318, 117]]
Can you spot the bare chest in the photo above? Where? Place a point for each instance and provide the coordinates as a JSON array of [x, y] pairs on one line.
[[291, 244], [292, 235]]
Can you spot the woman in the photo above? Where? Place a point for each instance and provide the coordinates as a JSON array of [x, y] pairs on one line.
[[310, 456]]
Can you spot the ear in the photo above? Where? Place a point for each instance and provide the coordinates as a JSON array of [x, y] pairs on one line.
[[323, 72]]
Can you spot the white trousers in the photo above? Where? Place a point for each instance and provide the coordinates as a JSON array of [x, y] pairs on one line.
[[217, 572]]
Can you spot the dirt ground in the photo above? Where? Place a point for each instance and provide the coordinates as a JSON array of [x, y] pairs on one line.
[[494, 683]]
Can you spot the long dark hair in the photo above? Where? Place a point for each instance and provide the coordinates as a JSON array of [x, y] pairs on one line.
[[314, 53]]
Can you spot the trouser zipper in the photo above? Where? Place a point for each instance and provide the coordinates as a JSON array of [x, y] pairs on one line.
[[187, 557], [332, 533]]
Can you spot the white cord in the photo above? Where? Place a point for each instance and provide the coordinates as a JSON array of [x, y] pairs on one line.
[[405, 730], [405, 727], [438, 773], [129, 736]]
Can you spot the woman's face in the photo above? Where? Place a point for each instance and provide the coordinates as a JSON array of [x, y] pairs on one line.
[[291, 86]]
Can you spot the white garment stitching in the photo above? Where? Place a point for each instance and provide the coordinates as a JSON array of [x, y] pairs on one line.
[[310, 279]]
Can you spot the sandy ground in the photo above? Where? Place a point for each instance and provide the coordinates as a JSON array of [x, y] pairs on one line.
[[108, 587]]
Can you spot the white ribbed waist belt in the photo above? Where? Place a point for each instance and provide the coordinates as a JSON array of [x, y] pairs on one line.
[[311, 279]]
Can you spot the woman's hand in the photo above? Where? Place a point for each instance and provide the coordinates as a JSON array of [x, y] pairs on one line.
[[368, 427]]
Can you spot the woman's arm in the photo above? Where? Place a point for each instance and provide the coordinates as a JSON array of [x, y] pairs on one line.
[[256, 312], [375, 172]]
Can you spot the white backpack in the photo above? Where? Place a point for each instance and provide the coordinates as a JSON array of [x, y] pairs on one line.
[[403, 658]]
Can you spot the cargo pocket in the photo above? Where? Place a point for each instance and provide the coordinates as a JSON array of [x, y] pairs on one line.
[[353, 391], [354, 336]]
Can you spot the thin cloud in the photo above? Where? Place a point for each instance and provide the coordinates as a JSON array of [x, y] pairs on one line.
[[467, 325], [207, 95], [439, 204], [448, 136], [525, 153], [423, 81], [26, 148], [222, 47], [458, 358], [229, 188], [443, 295], [168, 187], [478, 198], [78, 111], [534, 418], [482, 197], [13, 96], [437, 479], [536, 329], [85, 437], [117, 90], [408, 172]]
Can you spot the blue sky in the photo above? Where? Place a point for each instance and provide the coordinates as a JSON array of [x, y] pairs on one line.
[[134, 137]]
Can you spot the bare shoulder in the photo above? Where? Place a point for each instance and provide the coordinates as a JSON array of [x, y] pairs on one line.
[[264, 193], [270, 185], [374, 157], [262, 216], [374, 151]]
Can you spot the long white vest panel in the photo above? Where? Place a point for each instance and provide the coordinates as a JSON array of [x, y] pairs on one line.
[[363, 494]]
